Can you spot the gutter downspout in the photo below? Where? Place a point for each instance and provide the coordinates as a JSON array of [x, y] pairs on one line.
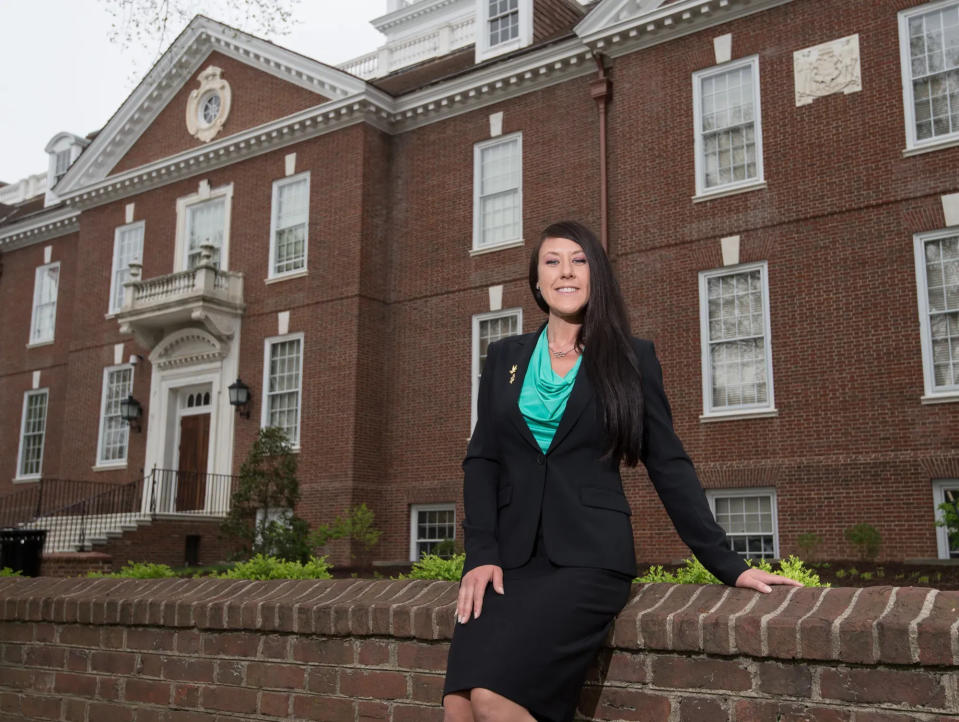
[[600, 89]]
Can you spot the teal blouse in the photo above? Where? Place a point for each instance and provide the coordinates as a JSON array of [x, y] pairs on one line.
[[543, 397]]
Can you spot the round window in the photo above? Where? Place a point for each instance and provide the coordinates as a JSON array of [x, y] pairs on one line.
[[209, 109]]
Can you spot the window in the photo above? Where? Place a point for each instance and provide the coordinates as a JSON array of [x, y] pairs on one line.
[[430, 524], [929, 49], [114, 431], [749, 518], [127, 247], [204, 224], [289, 225], [737, 359], [43, 320], [487, 328], [728, 138], [282, 384], [498, 192], [62, 164], [33, 427], [502, 26], [937, 281], [945, 491]]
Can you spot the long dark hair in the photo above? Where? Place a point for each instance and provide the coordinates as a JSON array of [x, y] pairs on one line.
[[608, 355]]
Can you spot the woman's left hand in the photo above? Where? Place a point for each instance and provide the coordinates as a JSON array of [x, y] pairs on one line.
[[759, 580]]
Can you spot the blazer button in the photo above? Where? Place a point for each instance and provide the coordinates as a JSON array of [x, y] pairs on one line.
[[540, 459]]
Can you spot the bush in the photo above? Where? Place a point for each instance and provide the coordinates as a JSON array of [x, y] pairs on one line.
[[8, 572], [950, 520], [866, 539], [808, 544], [262, 567], [693, 572], [139, 570], [431, 566]]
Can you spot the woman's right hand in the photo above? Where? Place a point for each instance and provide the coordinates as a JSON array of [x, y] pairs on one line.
[[473, 587]]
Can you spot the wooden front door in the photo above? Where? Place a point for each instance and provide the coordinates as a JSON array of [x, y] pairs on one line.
[[191, 476]]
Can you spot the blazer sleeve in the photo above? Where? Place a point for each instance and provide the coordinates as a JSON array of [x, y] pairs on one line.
[[481, 469], [675, 480]]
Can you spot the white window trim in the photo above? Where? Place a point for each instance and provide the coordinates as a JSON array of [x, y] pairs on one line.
[[754, 410], [182, 204], [112, 463], [737, 186], [274, 205], [23, 424], [914, 146], [713, 494], [478, 148], [939, 487], [113, 268], [932, 394], [264, 395], [414, 511], [33, 315], [474, 352], [523, 38]]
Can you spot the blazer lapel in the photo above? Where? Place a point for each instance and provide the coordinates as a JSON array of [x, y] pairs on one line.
[[520, 353], [578, 399]]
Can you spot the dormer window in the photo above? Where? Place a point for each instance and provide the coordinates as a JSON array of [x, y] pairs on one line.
[[62, 162], [502, 26]]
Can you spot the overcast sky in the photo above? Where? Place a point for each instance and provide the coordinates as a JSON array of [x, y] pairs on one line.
[[59, 72]]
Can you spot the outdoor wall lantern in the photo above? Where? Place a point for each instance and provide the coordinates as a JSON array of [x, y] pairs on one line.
[[240, 397], [131, 411]]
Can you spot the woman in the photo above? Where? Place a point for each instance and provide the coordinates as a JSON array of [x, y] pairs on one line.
[[547, 523]]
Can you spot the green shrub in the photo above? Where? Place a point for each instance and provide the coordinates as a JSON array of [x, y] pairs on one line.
[[809, 544], [866, 538], [693, 572], [139, 570], [431, 566], [950, 518], [262, 567], [8, 572]]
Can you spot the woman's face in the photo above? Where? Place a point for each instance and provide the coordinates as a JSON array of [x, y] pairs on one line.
[[563, 274]]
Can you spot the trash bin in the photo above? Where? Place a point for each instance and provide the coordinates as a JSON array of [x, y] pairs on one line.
[[22, 550]]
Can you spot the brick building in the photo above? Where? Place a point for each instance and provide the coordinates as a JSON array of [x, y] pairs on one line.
[[775, 179]]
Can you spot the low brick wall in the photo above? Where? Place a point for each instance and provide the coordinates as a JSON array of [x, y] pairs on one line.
[[360, 650]]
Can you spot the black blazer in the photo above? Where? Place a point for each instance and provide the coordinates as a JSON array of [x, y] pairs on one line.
[[585, 515]]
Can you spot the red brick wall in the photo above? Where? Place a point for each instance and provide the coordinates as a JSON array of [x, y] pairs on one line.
[[194, 650], [257, 97]]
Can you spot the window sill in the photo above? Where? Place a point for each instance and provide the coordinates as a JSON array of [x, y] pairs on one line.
[[108, 467], [498, 247], [285, 277], [951, 142], [723, 192], [38, 344], [946, 398], [736, 415], [26, 479]]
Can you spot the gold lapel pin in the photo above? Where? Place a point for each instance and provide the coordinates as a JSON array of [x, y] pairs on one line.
[[512, 373]]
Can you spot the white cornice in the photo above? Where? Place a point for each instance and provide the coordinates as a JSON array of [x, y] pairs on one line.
[[47, 225], [405, 15], [617, 27]]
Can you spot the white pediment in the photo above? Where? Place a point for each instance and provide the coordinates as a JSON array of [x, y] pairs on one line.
[[175, 68], [186, 347], [610, 13]]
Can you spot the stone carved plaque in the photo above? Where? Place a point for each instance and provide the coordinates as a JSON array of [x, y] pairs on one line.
[[208, 106], [828, 68]]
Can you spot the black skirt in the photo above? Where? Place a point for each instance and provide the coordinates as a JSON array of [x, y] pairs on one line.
[[534, 643]]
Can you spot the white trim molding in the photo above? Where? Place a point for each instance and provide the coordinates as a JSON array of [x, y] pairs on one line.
[[478, 318], [934, 393], [415, 510], [939, 489], [713, 494], [736, 410]]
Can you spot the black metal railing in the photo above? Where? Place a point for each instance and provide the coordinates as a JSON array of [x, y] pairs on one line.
[[77, 513]]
